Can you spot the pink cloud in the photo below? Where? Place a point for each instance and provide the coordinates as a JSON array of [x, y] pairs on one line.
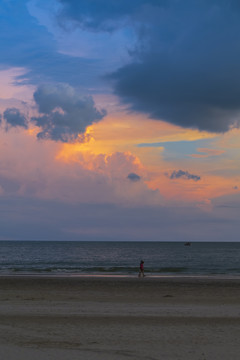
[[31, 168]]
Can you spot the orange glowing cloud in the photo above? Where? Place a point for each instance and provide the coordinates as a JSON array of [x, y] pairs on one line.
[[108, 152], [121, 133], [96, 167], [209, 187], [29, 168], [207, 153]]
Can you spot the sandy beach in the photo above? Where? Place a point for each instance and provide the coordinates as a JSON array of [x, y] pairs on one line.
[[119, 318]]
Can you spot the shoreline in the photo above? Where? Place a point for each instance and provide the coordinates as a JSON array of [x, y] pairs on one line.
[[123, 276]]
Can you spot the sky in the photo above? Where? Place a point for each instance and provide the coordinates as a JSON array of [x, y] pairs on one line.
[[119, 120]]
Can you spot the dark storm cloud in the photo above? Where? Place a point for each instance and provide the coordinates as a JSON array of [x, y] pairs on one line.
[[65, 115], [133, 177], [14, 118], [184, 175], [185, 66], [185, 69]]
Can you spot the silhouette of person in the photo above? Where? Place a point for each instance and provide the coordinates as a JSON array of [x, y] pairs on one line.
[[141, 269]]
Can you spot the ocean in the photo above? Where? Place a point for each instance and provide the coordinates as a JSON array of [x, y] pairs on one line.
[[119, 258]]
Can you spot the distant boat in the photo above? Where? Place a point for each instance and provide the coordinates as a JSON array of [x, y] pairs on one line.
[[187, 243]]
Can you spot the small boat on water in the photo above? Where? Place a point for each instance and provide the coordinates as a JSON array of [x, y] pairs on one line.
[[187, 243]]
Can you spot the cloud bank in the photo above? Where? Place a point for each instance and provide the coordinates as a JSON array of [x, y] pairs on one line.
[[185, 66]]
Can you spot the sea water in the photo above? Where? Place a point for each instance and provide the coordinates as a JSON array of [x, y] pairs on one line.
[[119, 258]]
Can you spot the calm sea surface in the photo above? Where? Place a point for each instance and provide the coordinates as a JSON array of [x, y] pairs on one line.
[[162, 258]]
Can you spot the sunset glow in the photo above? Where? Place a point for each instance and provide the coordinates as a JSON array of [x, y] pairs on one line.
[[96, 113]]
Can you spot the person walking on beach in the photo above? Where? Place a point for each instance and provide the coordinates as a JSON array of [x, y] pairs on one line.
[[141, 269]]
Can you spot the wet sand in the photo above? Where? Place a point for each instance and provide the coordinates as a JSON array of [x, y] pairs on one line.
[[119, 318]]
